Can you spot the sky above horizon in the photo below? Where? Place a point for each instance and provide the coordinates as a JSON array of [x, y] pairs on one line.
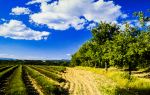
[[55, 29]]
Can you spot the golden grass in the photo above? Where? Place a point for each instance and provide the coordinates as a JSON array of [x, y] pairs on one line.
[[134, 86]]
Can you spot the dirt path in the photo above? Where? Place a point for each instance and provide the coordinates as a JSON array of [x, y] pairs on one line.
[[80, 82]]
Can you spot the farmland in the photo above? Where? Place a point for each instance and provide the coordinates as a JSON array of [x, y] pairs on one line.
[[61, 80], [31, 80], [74, 47]]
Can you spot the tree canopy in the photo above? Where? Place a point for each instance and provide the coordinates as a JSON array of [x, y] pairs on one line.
[[115, 47]]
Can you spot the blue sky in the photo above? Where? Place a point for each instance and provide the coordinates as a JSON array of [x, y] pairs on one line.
[[55, 29]]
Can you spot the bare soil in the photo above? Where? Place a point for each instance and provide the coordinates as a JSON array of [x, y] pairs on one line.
[[80, 82]]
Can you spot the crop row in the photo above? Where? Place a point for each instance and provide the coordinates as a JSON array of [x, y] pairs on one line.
[[28, 83], [16, 85], [4, 68], [49, 86], [51, 75], [30, 80], [48, 68], [4, 77]]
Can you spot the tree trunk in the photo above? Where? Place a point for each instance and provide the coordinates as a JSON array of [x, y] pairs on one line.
[[130, 70], [106, 66], [95, 65]]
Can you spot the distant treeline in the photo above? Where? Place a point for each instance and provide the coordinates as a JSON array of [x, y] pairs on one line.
[[35, 62], [112, 46]]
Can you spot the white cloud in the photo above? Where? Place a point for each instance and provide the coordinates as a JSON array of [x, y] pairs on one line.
[[68, 54], [122, 27], [124, 16], [37, 1], [91, 26], [17, 30], [148, 23], [2, 19], [2, 55], [20, 10], [132, 23], [63, 14]]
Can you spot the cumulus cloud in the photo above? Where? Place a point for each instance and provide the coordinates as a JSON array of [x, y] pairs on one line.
[[124, 16], [20, 10], [37, 1], [17, 30], [91, 26], [132, 23], [2, 19], [63, 14], [148, 23]]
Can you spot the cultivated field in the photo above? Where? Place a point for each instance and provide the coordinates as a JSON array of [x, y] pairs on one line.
[[46, 80], [59, 80], [31, 80]]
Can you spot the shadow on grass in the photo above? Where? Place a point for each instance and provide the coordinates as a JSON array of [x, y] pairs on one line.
[[132, 91]]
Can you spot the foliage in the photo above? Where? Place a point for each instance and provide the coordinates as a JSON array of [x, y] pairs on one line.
[[111, 46]]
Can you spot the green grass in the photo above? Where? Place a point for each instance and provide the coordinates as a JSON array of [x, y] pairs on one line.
[[16, 85], [119, 84]]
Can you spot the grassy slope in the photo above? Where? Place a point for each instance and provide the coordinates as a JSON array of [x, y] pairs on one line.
[[116, 82]]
